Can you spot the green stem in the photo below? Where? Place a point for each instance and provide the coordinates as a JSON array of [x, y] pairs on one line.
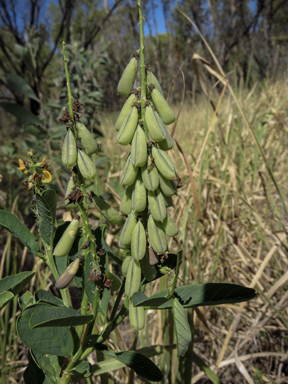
[[171, 290], [143, 72], [70, 98]]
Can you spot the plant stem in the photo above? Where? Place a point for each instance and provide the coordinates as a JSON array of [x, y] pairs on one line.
[[70, 98], [143, 72]]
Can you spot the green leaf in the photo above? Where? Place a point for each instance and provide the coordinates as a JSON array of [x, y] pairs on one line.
[[21, 113], [15, 283], [84, 368], [49, 364], [183, 331], [139, 363], [46, 204], [18, 229], [50, 316], [44, 296], [51, 340], [18, 84], [201, 294], [5, 297], [208, 372], [169, 262], [154, 301], [92, 341], [25, 300]]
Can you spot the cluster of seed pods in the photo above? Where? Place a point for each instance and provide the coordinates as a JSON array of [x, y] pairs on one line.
[[150, 178]]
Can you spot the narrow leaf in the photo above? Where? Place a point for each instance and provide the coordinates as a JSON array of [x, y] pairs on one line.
[[46, 204], [139, 363], [183, 331], [18, 229], [208, 372]]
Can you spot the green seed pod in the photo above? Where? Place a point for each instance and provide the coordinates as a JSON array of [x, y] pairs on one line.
[[164, 164], [170, 228], [69, 188], [168, 143], [129, 173], [126, 234], [165, 112], [126, 109], [150, 176], [136, 316], [69, 273], [86, 165], [69, 150], [149, 271], [157, 236], [168, 187], [154, 125], [138, 242], [168, 201], [139, 148], [151, 78], [116, 282], [126, 201], [139, 195], [128, 77], [110, 214], [65, 243], [128, 128], [86, 139], [157, 205], [133, 278], [125, 265]]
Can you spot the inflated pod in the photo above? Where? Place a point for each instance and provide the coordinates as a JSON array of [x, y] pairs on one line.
[[110, 214], [138, 242], [154, 125], [125, 265], [139, 195], [133, 278], [86, 139], [164, 164], [149, 271], [69, 150], [126, 234], [128, 77], [157, 236], [67, 239], [168, 187], [157, 205], [150, 176], [126, 109], [129, 173], [151, 78], [69, 273], [136, 316], [139, 148], [116, 282], [128, 127], [69, 189], [126, 201], [170, 228], [165, 112], [168, 143], [86, 165]]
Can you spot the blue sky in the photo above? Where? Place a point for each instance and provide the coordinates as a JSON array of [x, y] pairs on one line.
[[159, 15]]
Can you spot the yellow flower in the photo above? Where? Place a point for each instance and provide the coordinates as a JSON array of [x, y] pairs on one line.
[[22, 167], [47, 176]]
